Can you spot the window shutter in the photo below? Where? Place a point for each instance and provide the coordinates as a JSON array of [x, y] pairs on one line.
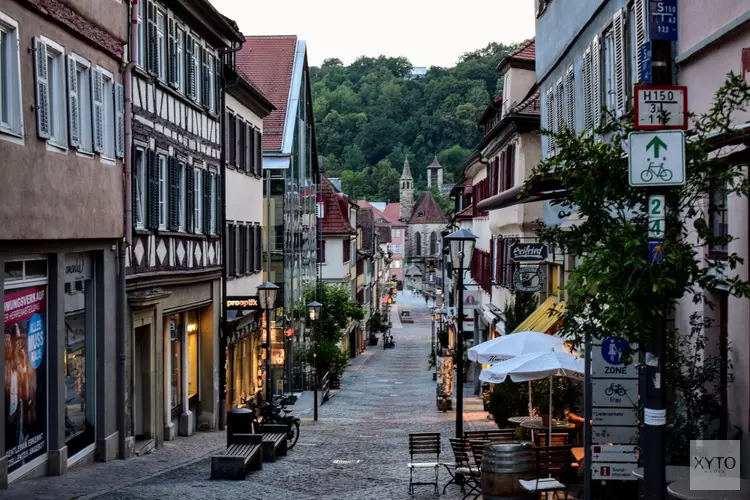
[[173, 199], [190, 65], [190, 199], [550, 121], [219, 218], [42, 89], [570, 98], [239, 137], [596, 82], [250, 245], [510, 169], [232, 133], [559, 106], [588, 120], [639, 8], [231, 242], [226, 136], [241, 250], [258, 143], [207, 200], [618, 24], [97, 104], [153, 49], [499, 264], [259, 248], [205, 81], [152, 200], [73, 117], [134, 177], [119, 97], [217, 84], [237, 250], [172, 69], [249, 142], [241, 145]]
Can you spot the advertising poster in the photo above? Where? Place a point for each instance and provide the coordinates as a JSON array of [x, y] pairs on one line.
[[25, 375]]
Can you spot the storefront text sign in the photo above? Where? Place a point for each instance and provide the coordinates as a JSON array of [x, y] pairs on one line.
[[239, 303], [528, 252], [77, 267]]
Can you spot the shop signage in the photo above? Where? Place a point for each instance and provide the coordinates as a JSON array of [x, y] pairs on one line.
[[239, 303], [662, 20], [656, 158], [528, 252], [611, 470], [277, 356], [618, 393], [528, 279], [610, 434], [78, 267], [660, 107], [614, 453], [614, 416], [614, 359]]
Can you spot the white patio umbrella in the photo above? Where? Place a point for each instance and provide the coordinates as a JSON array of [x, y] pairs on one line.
[[516, 344], [536, 366]]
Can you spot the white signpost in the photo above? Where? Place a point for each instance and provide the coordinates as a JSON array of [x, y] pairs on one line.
[[656, 158], [660, 107], [615, 416], [614, 453], [615, 393], [611, 434], [607, 471]]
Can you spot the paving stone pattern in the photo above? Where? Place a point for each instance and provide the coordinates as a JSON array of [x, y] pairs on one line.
[[357, 450]]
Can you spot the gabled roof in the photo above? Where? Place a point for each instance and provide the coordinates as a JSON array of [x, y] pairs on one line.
[[376, 214], [392, 211], [524, 55], [427, 211], [435, 164], [531, 104], [269, 62], [335, 222]]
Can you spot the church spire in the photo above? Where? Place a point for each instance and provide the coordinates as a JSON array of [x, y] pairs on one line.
[[406, 192], [406, 174]]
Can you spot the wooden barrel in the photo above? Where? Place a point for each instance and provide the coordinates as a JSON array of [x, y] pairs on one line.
[[502, 466]]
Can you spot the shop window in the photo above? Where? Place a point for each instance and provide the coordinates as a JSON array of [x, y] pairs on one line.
[[193, 329], [23, 270], [175, 347]]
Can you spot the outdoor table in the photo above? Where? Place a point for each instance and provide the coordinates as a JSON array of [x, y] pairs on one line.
[[535, 424], [520, 420], [578, 454], [673, 473], [681, 489]]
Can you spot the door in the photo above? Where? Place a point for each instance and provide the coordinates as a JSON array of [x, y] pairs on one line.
[[142, 382], [352, 344]]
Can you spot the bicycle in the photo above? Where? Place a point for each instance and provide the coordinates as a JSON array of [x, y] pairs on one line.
[[615, 389], [658, 170], [271, 414]]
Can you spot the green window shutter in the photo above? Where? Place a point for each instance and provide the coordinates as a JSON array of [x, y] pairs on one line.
[[153, 49], [190, 194], [206, 213], [134, 183], [152, 176], [258, 144], [173, 204], [172, 56], [219, 218]]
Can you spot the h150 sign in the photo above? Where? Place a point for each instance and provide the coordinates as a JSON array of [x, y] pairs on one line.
[[528, 252]]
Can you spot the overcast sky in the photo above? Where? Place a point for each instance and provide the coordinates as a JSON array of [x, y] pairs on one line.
[[428, 33]]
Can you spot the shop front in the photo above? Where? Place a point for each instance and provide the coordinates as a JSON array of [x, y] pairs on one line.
[[245, 355], [57, 323]]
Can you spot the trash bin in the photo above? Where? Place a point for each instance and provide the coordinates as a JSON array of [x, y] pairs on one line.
[[239, 421]]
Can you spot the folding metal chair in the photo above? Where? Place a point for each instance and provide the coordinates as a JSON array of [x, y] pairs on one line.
[[426, 443]]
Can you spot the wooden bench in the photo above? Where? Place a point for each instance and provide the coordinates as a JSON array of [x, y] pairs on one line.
[[243, 454], [274, 441]]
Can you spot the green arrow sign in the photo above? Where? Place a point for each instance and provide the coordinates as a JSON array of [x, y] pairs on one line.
[[656, 143]]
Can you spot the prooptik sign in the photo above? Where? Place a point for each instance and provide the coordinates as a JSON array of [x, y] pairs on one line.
[[240, 303], [528, 252]]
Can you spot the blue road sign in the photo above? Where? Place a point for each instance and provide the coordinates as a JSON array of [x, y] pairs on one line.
[[662, 20], [656, 252], [645, 56], [613, 350]]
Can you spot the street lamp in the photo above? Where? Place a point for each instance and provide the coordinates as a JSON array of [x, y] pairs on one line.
[[461, 249], [313, 312], [267, 298], [432, 322]]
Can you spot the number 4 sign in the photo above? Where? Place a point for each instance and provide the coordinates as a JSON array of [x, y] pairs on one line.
[[656, 217]]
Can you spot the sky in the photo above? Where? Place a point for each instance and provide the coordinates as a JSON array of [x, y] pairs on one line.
[[428, 33]]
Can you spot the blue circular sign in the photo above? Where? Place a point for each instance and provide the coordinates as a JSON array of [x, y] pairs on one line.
[[35, 340], [613, 350]]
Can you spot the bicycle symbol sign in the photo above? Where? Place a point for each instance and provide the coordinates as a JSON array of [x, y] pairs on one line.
[[657, 158]]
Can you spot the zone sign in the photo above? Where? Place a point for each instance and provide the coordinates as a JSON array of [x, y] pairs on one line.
[[660, 107]]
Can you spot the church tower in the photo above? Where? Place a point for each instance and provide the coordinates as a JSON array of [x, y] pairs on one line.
[[435, 175], [406, 192]]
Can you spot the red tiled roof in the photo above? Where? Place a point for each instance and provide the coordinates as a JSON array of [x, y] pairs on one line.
[[530, 105], [427, 211], [268, 61], [377, 214], [334, 220], [466, 214], [392, 211], [526, 52]]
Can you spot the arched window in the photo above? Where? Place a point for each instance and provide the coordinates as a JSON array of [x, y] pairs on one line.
[[419, 244], [433, 243]]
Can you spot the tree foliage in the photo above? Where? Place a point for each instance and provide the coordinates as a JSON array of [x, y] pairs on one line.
[[371, 111]]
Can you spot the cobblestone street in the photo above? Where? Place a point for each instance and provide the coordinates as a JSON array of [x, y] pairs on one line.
[[357, 450]]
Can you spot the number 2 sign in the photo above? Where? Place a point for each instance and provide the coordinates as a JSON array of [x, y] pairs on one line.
[[656, 217]]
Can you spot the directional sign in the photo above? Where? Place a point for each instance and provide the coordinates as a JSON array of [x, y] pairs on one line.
[[611, 470], [660, 107], [644, 53], [614, 359], [662, 20], [614, 416], [613, 453], [656, 217], [619, 393], [611, 434], [656, 158]]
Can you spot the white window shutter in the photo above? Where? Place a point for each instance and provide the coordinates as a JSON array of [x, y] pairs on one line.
[[550, 121], [570, 98], [588, 120], [119, 120], [559, 107], [639, 9], [42, 89], [596, 81], [618, 26], [73, 110], [97, 105]]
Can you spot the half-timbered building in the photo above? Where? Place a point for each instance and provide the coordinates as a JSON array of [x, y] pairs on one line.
[[174, 262]]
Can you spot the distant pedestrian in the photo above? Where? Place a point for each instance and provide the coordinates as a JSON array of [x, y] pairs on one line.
[[426, 300]]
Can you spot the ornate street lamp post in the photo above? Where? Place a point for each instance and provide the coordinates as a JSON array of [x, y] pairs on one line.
[[461, 249], [267, 298], [313, 312]]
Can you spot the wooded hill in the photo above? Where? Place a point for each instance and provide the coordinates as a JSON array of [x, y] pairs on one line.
[[370, 114]]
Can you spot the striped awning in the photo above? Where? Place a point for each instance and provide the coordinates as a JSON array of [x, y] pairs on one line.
[[545, 318]]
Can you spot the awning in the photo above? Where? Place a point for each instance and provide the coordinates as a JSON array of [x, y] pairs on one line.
[[491, 315], [545, 318], [541, 189]]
